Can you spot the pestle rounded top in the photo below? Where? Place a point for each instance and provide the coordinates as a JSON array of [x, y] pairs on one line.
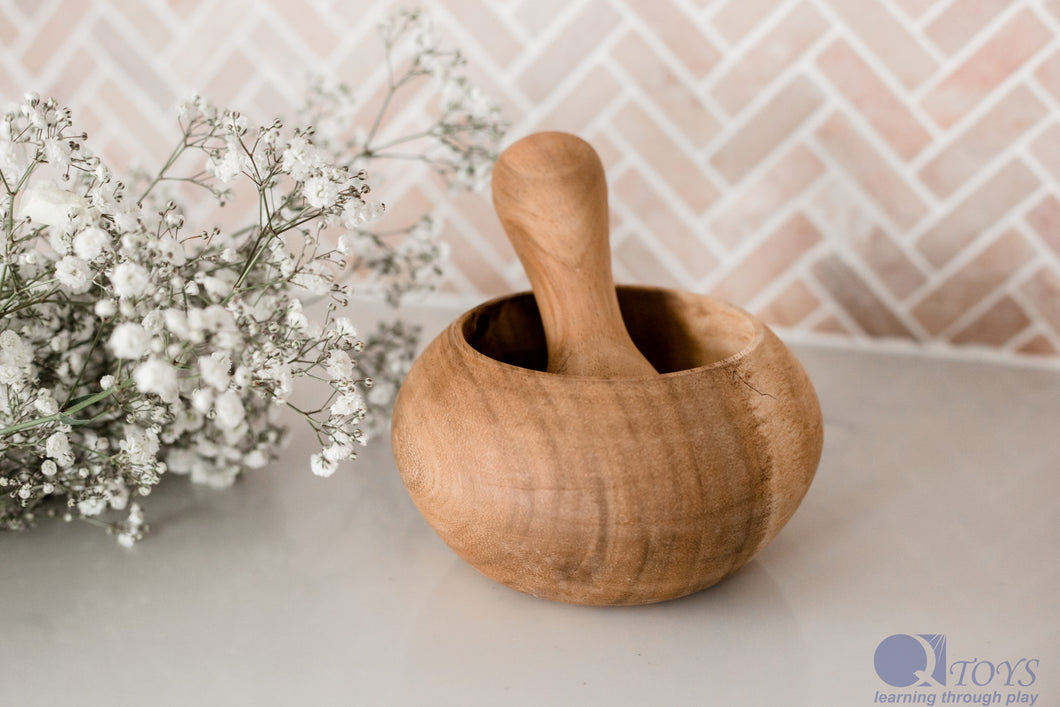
[[550, 193]]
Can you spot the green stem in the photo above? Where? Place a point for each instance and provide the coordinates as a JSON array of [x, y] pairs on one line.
[[84, 366], [76, 407], [173, 157]]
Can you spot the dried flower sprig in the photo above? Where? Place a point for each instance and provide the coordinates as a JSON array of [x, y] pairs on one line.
[[132, 347]]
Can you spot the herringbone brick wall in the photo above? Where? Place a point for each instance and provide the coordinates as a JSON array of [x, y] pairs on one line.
[[866, 168]]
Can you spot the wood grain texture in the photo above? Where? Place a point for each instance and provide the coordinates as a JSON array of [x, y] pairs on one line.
[[608, 491], [550, 193]]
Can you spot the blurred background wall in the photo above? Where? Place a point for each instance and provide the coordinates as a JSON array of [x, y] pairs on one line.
[[854, 168]]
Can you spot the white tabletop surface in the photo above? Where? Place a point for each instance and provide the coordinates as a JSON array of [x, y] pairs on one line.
[[936, 509]]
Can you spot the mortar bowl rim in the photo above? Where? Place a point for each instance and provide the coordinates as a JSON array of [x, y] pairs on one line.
[[458, 332]]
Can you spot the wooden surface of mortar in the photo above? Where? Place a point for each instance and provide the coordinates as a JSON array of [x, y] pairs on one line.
[[609, 491]]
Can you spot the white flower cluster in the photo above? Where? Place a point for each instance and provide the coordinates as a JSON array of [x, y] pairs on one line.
[[469, 129], [461, 145], [132, 348]]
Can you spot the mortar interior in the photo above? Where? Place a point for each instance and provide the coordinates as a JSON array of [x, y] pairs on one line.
[[675, 330]]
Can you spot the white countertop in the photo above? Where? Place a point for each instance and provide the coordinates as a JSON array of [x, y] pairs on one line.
[[935, 510]]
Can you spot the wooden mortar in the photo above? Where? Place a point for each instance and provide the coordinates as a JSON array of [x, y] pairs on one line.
[[593, 447]]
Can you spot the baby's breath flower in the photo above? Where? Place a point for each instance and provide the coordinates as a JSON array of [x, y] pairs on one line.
[[90, 242], [338, 365], [214, 370], [138, 341], [129, 279], [156, 376], [322, 466], [129, 340], [73, 274], [105, 308], [229, 409], [321, 192], [348, 404], [57, 445]]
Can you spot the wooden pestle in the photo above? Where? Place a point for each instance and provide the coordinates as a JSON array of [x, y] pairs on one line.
[[550, 193]]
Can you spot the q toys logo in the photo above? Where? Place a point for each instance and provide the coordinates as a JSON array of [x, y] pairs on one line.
[[903, 660], [917, 667]]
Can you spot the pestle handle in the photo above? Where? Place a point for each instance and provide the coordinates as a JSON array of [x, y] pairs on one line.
[[550, 193]]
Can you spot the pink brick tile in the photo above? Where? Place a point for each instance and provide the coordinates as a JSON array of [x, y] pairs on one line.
[[794, 303], [996, 325], [784, 181], [615, 219], [1043, 292], [953, 27], [480, 20], [768, 261], [1038, 346], [153, 145], [888, 38], [267, 100], [231, 76], [448, 287], [774, 53], [8, 28], [978, 212], [736, 18], [53, 34], [850, 291], [10, 86], [148, 24], [679, 33], [1048, 74], [1054, 7], [674, 98], [197, 51], [182, 8], [1046, 150], [981, 142], [80, 67], [916, 8], [982, 275], [577, 40], [1045, 220], [670, 161], [536, 15], [974, 80], [119, 157], [366, 50], [283, 62], [832, 325], [582, 103], [467, 258], [405, 210], [642, 200], [318, 32], [609, 152], [85, 118], [643, 264], [890, 263], [767, 129], [477, 209], [871, 97], [870, 170]]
